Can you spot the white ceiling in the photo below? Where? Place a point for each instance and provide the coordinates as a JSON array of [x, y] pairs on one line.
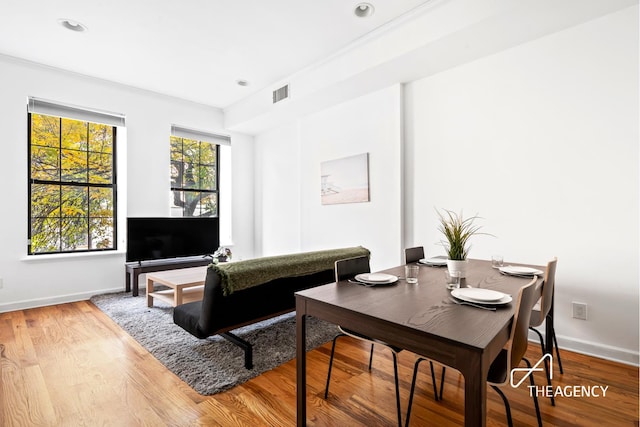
[[192, 49]]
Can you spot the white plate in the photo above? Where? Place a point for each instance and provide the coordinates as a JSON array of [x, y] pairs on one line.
[[520, 271], [438, 260], [506, 299], [479, 294], [376, 278]]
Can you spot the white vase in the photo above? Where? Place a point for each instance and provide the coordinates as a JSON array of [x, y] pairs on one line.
[[458, 265]]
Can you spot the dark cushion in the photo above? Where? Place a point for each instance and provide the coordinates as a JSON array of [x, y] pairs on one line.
[[218, 313], [187, 315]]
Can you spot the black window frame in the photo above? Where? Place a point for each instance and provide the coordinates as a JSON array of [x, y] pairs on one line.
[[215, 191], [113, 186]]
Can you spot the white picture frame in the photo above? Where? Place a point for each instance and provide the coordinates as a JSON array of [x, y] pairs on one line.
[[345, 180]]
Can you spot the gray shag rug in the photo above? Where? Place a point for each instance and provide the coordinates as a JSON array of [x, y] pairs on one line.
[[214, 364]]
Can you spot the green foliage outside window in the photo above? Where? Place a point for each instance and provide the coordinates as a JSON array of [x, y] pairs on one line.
[[194, 177], [71, 185]]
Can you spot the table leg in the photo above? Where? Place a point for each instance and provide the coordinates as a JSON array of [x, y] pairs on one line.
[[134, 284], [475, 397], [301, 364], [177, 296], [149, 290]]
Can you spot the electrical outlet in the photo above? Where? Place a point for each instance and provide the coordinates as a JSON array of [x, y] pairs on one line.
[[579, 310]]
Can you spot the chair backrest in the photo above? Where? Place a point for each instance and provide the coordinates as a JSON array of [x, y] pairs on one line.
[[413, 254], [548, 288], [348, 268], [519, 338]]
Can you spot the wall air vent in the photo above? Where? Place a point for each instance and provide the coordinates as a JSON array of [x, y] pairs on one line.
[[281, 94]]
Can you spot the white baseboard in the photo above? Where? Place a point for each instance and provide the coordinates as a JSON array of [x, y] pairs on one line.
[[602, 351], [58, 299]]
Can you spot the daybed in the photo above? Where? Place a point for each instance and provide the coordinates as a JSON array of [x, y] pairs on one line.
[[244, 292]]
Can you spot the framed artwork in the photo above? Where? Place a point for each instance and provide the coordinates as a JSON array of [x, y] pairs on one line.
[[345, 180]]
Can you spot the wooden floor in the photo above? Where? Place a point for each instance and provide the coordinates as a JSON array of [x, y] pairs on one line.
[[70, 365]]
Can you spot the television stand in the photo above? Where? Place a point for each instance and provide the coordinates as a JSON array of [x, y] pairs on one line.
[[135, 269]]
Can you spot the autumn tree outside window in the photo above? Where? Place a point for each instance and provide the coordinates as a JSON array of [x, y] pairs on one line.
[[195, 172], [72, 178]]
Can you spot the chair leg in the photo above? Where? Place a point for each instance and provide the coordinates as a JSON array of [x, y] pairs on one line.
[[395, 374], [546, 364], [371, 357], [507, 407], [539, 337], [535, 396], [444, 369], [433, 380], [333, 349], [555, 343], [413, 386]]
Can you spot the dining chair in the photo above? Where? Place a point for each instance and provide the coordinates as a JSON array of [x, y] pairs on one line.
[[541, 312], [344, 270], [412, 255], [512, 353]]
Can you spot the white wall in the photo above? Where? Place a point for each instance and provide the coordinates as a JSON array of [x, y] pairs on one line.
[[290, 215], [368, 124], [240, 187], [278, 191], [143, 179], [542, 141]]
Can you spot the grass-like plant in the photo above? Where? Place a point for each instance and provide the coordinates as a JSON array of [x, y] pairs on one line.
[[457, 230]]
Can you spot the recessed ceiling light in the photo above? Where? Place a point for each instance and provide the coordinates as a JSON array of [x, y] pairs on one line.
[[242, 82], [364, 10], [72, 25]]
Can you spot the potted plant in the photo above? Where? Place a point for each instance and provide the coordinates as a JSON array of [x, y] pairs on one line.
[[457, 231], [222, 254]]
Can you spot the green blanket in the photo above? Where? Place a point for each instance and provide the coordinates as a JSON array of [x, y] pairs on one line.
[[240, 275]]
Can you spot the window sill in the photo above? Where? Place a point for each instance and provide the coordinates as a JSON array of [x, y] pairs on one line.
[[71, 256]]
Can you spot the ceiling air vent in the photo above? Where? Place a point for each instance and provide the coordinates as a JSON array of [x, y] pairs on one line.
[[281, 94]]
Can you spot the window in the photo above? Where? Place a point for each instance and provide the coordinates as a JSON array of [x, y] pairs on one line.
[[194, 172], [72, 181]]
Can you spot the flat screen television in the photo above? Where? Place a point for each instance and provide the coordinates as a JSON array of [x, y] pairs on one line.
[[173, 237]]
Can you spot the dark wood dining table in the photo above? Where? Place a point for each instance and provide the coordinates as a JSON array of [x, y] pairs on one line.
[[422, 319]]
